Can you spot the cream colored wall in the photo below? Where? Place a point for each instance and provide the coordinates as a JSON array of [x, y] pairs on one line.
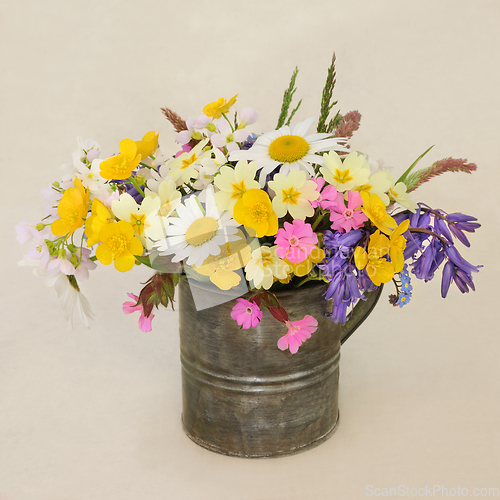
[[96, 414]]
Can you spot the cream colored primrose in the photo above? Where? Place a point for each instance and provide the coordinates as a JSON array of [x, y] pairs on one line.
[[233, 183], [378, 184], [208, 168], [346, 175], [264, 266], [169, 198], [294, 194], [398, 194], [143, 218], [185, 167]]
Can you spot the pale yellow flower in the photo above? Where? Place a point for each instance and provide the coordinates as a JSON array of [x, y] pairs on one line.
[[293, 194]]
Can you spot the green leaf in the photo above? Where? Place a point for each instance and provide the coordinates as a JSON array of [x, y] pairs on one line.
[[160, 263], [412, 166]]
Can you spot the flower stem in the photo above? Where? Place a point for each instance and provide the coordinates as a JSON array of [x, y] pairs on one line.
[[318, 220], [136, 185]]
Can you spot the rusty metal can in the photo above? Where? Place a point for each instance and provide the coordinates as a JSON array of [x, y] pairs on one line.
[[242, 396]]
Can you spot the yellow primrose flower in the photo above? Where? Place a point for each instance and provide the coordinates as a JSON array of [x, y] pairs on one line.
[[379, 184], [100, 217], [398, 245], [304, 267], [120, 166], [148, 145], [264, 266], [234, 183], [184, 167], [119, 245], [345, 175], [398, 193], [221, 268], [294, 194], [255, 211], [374, 208], [216, 108], [72, 210], [143, 218], [379, 270]]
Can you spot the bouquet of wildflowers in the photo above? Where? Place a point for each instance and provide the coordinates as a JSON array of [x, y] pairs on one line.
[[248, 214]]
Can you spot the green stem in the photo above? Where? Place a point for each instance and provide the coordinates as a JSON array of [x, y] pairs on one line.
[[227, 119], [318, 220], [136, 185], [145, 165]]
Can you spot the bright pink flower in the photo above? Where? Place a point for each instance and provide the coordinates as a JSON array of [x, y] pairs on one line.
[[350, 217], [296, 241], [185, 149], [327, 196], [298, 332], [247, 314], [130, 307]]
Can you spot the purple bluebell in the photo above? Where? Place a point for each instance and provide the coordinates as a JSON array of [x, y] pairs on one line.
[[249, 142], [347, 283], [459, 276]]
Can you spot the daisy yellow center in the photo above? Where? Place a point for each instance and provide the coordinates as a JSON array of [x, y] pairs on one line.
[[343, 176], [288, 148], [117, 244], [259, 212], [239, 189], [138, 222], [188, 162], [201, 230], [290, 195]]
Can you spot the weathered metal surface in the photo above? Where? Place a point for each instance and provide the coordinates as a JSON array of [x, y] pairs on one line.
[[242, 396]]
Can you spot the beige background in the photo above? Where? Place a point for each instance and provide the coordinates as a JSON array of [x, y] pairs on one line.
[[96, 414]]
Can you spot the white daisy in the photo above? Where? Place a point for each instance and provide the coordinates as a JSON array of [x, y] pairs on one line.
[[195, 234], [291, 148]]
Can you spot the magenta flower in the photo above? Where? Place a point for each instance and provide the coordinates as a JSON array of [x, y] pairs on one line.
[[130, 307], [351, 217], [296, 241], [298, 332], [327, 196], [247, 314]]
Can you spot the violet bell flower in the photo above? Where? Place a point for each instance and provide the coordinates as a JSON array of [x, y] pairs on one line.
[[345, 287]]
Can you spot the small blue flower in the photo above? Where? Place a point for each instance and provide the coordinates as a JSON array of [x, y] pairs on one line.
[[404, 298]]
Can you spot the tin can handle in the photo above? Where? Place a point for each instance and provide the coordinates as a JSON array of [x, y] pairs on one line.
[[360, 312]]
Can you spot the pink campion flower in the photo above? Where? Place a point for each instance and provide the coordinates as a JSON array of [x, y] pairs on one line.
[[296, 241], [130, 307], [246, 313], [298, 332], [351, 217], [327, 196], [185, 149]]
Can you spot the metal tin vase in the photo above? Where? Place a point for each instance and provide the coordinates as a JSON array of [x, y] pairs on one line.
[[242, 396]]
